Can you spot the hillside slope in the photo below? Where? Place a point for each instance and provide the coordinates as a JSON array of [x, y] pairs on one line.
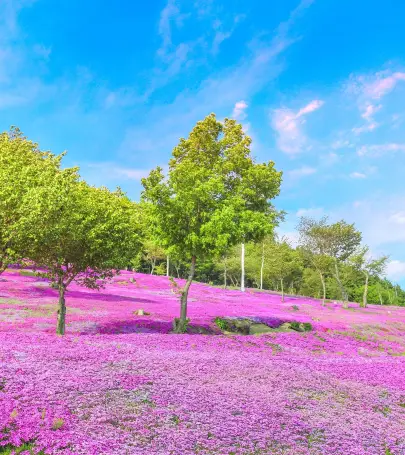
[[119, 383]]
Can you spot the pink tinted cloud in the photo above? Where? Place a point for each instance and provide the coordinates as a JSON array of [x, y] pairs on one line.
[[289, 127]]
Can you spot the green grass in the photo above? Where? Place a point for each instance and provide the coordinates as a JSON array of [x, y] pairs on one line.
[[8, 450], [28, 273]]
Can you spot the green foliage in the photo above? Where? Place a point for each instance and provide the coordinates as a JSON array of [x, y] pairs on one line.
[[23, 168], [214, 195], [221, 323], [85, 234], [26, 448], [295, 326], [152, 253], [307, 326]]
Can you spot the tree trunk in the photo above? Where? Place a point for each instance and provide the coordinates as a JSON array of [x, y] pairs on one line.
[[242, 266], [261, 268], [323, 288], [380, 297], [364, 304], [177, 270], [225, 272], [282, 289], [342, 289], [168, 267], [180, 325], [60, 328], [153, 267]]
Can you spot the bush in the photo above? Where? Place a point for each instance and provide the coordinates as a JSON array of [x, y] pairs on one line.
[[307, 326], [221, 323], [295, 326]]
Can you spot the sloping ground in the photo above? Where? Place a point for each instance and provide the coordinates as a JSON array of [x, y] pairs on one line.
[[120, 384]]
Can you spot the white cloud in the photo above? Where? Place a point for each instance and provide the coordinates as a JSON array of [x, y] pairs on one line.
[[375, 86], [341, 143], [380, 149], [112, 171], [380, 219], [357, 175], [395, 270], [398, 217], [292, 237], [365, 128], [288, 125], [370, 110], [222, 35], [369, 90], [316, 212], [301, 172], [239, 110], [239, 82]]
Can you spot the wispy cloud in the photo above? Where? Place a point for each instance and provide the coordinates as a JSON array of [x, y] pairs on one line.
[[288, 126], [301, 172], [315, 212], [357, 175], [222, 33], [108, 171], [216, 93], [380, 149], [239, 110], [395, 270], [369, 90]]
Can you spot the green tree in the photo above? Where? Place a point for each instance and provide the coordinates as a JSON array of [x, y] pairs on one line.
[[214, 196], [152, 253], [368, 266], [338, 241], [282, 262], [23, 167], [315, 241], [83, 234]]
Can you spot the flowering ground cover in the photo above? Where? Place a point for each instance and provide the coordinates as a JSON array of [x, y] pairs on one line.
[[120, 383]]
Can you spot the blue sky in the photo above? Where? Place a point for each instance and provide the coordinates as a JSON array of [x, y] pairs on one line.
[[319, 85]]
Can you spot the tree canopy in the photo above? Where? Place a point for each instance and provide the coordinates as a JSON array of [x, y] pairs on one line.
[[213, 196]]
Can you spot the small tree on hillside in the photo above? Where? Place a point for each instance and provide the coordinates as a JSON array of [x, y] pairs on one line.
[[83, 234], [153, 253], [214, 196], [338, 241], [282, 262], [314, 242], [368, 267]]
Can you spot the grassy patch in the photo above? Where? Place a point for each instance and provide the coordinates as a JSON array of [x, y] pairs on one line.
[[28, 273], [9, 449]]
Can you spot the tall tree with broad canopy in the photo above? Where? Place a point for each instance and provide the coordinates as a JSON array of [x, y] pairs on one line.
[[336, 242], [363, 262], [314, 242], [22, 167], [213, 196], [83, 234]]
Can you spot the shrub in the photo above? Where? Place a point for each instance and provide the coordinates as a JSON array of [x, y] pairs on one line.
[[295, 326], [222, 323], [307, 326]]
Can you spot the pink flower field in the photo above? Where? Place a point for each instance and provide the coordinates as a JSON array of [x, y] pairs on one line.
[[120, 383]]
